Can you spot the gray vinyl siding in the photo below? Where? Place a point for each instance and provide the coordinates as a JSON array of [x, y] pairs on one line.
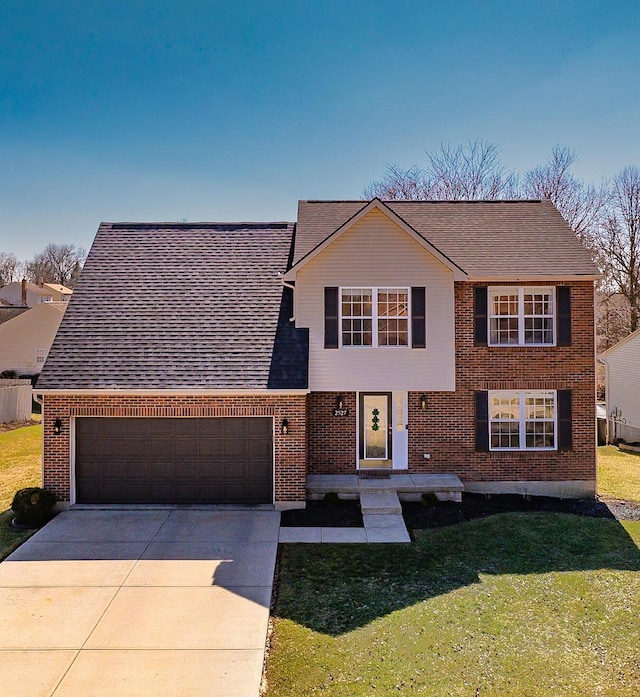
[[376, 252], [624, 381]]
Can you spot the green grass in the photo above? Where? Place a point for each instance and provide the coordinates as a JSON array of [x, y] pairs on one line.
[[20, 461], [20, 466], [514, 604], [10, 539], [618, 473]]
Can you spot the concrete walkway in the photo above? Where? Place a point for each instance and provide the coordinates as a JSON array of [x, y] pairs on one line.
[[381, 516], [133, 603]]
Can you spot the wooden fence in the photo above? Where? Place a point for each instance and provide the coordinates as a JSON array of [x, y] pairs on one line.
[[15, 400]]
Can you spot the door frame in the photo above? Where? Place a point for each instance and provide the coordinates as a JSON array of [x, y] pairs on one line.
[[397, 451], [360, 434]]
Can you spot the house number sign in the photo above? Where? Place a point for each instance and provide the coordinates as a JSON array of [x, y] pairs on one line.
[[341, 412]]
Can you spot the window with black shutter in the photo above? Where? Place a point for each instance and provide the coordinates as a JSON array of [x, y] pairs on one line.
[[331, 318], [480, 315], [418, 318], [563, 300], [482, 421], [565, 425]]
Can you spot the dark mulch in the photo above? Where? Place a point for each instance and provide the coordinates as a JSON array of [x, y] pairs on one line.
[[428, 514], [431, 514], [325, 514]]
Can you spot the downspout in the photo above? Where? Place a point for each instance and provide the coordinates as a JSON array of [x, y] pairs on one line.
[[38, 398], [292, 288]]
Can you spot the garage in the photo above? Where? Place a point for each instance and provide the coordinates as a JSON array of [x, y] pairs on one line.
[[174, 460]]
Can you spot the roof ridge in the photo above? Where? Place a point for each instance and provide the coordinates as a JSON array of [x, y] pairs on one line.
[[281, 224], [432, 201]]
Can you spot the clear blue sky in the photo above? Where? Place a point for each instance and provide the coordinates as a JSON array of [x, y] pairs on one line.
[[234, 110]]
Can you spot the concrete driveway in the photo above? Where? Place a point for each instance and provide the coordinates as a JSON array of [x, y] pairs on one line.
[[149, 602]]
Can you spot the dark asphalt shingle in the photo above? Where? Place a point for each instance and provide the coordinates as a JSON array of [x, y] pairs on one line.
[[172, 306], [485, 238]]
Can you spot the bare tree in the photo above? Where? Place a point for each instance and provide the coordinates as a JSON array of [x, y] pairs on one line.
[[580, 204], [10, 268], [400, 185], [473, 171], [612, 319], [618, 241], [58, 263]]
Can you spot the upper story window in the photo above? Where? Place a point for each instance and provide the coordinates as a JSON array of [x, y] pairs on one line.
[[521, 316], [41, 354], [374, 316], [522, 420]]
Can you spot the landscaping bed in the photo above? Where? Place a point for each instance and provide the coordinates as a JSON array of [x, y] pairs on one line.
[[430, 513], [327, 513]]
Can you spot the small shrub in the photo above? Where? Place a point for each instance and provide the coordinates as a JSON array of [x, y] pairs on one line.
[[32, 506], [331, 499], [8, 375], [429, 499]]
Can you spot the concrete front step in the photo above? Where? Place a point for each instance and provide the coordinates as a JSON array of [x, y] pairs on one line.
[[385, 503]]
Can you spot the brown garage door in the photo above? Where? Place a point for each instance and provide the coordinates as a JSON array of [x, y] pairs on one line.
[[134, 460]]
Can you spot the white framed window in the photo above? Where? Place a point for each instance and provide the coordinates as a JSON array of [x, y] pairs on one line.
[[374, 316], [521, 316], [41, 354], [523, 420]]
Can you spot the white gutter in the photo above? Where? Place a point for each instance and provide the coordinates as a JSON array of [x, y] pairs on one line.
[[194, 392]]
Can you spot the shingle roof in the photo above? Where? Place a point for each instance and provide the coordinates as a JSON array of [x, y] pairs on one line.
[[8, 312], [215, 327], [487, 239]]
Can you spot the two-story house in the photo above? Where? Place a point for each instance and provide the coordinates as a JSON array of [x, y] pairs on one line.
[[420, 337]]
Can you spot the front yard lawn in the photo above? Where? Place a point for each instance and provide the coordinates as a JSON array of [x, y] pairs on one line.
[[513, 604], [20, 466], [618, 474], [20, 461]]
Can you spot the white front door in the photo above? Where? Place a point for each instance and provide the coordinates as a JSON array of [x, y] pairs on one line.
[[382, 438]]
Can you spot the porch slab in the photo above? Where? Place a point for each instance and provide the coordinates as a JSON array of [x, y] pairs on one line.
[[445, 486]]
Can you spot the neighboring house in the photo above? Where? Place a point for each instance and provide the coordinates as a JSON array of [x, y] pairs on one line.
[[59, 293], [421, 337], [26, 294], [622, 388], [25, 339]]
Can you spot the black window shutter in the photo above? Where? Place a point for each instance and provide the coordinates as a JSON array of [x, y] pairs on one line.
[[563, 300], [331, 318], [482, 421], [418, 318], [480, 315], [565, 440]]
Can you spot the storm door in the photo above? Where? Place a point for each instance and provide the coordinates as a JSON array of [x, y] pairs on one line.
[[376, 431]]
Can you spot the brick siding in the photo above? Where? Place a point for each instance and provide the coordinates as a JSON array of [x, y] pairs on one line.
[[446, 430], [290, 450]]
